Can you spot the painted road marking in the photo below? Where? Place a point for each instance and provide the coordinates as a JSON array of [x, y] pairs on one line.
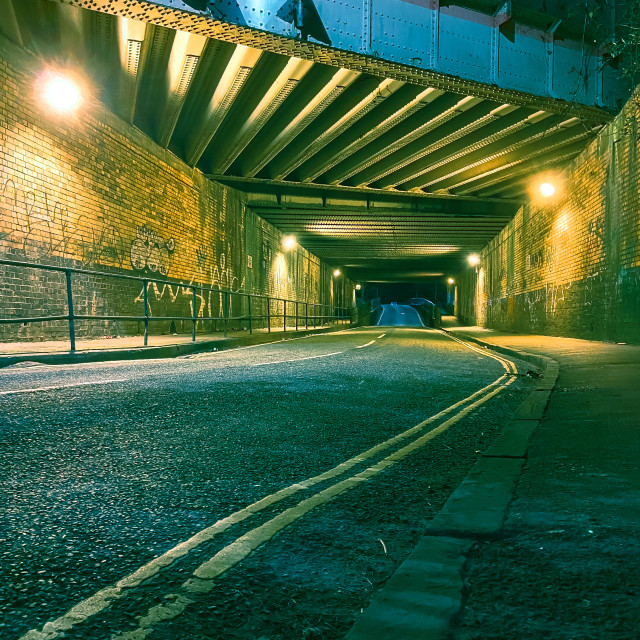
[[62, 386], [382, 335], [324, 355], [267, 344], [106, 597], [203, 578], [362, 346], [507, 364]]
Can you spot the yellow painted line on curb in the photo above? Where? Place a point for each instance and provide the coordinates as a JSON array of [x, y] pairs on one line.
[[324, 355], [509, 366], [362, 346], [203, 580], [62, 386], [106, 597]]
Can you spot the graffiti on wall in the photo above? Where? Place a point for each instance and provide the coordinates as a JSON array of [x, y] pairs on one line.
[[151, 252], [41, 227]]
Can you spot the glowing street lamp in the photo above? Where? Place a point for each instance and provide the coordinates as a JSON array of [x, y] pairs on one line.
[[61, 93], [358, 287], [450, 280], [473, 260], [337, 272], [289, 242]]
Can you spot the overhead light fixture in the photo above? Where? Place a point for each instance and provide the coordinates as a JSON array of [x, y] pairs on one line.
[[289, 242], [473, 259], [61, 93], [337, 272]]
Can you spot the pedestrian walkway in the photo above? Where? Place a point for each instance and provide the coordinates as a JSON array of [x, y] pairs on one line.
[[565, 561], [132, 347], [568, 560]]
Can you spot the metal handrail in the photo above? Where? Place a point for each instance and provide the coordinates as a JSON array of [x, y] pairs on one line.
[[340, 314]]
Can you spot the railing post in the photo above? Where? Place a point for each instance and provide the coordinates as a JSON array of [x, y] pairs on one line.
[[250, 324], [296, 315], [72, 324], [284, 317], [226, 312], [268, 314], [306, 315], [193, 313], [145, 298]]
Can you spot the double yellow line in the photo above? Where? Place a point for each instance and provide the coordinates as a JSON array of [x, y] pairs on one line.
[[203, 578]]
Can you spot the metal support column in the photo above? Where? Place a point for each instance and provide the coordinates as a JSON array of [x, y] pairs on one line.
[[72, 324], [145, 299]]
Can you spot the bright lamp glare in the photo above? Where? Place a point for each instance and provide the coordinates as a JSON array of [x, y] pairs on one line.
[[547, 189], [337, 272], [289, 242], [358, 287], [450, 280], [474, 259], [62, 94]]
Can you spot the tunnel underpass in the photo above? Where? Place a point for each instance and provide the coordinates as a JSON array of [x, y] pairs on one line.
[[229, 406]]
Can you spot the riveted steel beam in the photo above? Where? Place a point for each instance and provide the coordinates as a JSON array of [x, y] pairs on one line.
[[279, 186], [178, 15], [535, 162], [9, 24], [507, 124], [425, 118], [314, 106], [185, 53], [407, 102], [288, 79], [481, 119], [539, 142]]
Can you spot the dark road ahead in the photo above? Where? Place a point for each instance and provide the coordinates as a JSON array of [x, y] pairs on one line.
[[399, 315], [135, 493]]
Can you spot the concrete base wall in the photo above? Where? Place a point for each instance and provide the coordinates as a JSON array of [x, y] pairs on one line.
[[89, 190], [570, 266]]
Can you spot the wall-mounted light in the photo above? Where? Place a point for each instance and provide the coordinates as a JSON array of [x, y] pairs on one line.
[[450, 280], [358, 287], [547, 189], [61, 93], [337, 272], [289, 242], [473, 260]]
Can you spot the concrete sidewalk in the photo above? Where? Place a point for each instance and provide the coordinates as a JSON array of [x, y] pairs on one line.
[[564, 559], [132, 347]]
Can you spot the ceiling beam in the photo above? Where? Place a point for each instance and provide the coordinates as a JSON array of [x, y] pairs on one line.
[[479, 118], [9, 24], [446, 108], [133, 43], [186, 53], [224, 155], [283, 167], [542, 143], [508, 123], [404, 104], [235, 76], [523, 168], [312, 108]]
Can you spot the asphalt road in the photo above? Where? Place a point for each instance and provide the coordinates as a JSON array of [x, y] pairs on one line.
[[399, 315], [110, 468]]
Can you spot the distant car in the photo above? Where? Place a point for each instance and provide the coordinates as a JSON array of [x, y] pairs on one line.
[[417, 302]]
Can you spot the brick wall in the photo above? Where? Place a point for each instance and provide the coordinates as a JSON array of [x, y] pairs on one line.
[[570, 266], [90, 191]]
